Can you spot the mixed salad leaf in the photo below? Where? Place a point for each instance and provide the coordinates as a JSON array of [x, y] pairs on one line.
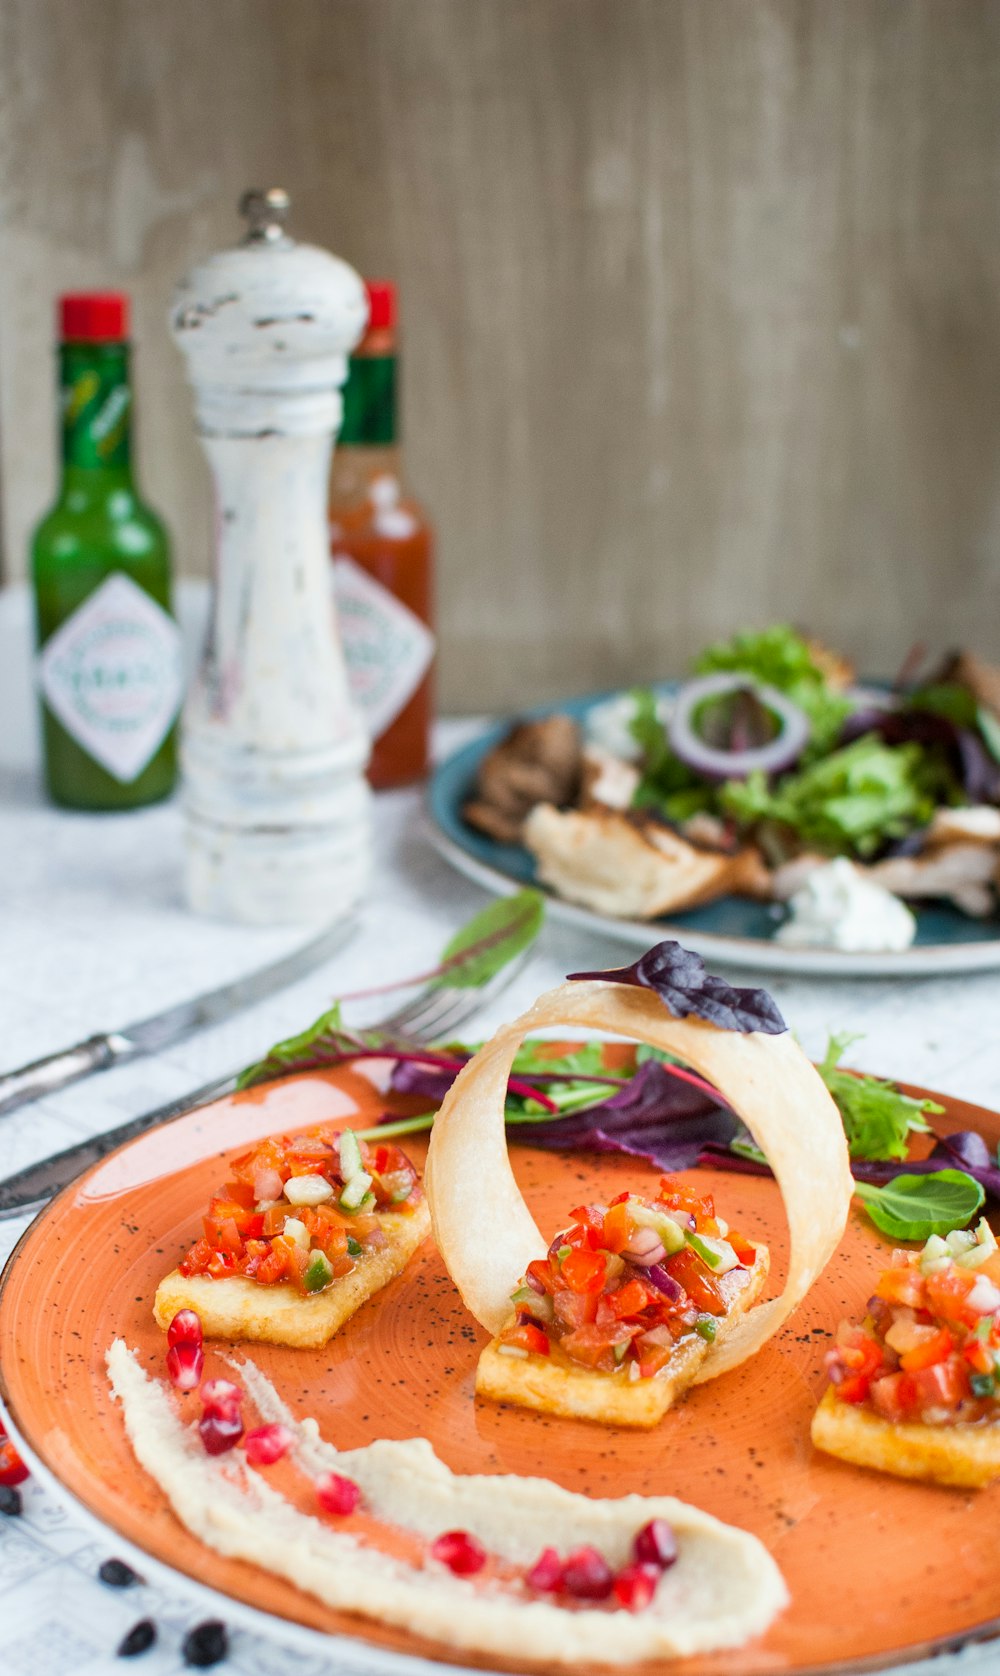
[[915, 1207], [872, 773], [678, 976], [878, 1118], [596, 1096], [780, 658]]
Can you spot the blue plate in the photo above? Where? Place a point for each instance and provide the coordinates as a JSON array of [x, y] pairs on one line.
[[733, 929]]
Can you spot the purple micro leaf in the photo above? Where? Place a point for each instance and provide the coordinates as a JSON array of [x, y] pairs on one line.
[[654, 1116], [430, 1082], [678, 976]]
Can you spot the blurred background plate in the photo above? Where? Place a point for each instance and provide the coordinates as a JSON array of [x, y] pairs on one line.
[[733, 930]]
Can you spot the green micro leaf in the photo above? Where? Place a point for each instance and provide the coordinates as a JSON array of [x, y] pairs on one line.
[[913, 1207], [484, 946], [878, 1119]]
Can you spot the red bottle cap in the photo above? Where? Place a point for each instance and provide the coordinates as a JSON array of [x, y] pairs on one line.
[[93, 317], [381, 304]]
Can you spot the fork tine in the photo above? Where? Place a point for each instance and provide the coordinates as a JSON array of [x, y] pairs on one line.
[[435, 1010]]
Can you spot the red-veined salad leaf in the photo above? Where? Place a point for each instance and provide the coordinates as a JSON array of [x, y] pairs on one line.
[[484, 946], [678, 976]]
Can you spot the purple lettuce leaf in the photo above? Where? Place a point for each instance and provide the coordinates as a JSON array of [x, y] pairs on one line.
[[965, 1150], [678, 976], [654, 1116], [966, 754], [430, 1082]]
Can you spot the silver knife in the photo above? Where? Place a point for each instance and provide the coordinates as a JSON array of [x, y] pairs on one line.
[[33, 1186], [152, 1035]]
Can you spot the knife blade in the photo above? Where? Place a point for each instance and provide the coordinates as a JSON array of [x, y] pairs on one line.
[[32, 1187], [152, 1035]]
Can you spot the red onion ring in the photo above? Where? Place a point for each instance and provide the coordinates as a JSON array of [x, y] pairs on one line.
[[664, 1282], [715, 764]]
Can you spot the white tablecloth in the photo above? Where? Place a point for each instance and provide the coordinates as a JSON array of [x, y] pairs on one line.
[[94, 933]]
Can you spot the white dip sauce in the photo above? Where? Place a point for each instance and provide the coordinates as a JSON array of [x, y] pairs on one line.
[[838, 908], [723, 1588]]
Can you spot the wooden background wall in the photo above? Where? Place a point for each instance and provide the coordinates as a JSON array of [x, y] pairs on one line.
[[702, 297]]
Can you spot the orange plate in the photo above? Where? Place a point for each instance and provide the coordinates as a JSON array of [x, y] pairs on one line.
[[878, 1569]]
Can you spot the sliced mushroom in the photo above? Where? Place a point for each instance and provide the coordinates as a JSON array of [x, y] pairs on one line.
[[632, 866]]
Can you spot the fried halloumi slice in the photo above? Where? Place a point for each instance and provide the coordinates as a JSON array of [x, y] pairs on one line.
[[632, 866], [967, 1457], [577, 1393], [236, 1308]]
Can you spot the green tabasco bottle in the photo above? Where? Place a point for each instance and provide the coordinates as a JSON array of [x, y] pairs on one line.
[[109, 664]]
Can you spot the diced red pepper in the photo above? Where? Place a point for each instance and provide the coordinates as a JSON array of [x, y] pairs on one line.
[[697, 1281], [617, 1230], [746, 1252], [631, 1299], [584, 1271], [901, 1286], [931, 1351], [527, 1336]]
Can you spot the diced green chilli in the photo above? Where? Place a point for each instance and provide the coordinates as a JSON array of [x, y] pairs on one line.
[[349, 1148], [319, 1272], [563, 1252], [705, 1327], [704, 1251], [982, 1384], [356, 1192], [354, 1247]]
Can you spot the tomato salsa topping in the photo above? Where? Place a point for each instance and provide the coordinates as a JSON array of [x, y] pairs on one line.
[[929, 1348], [303, 1208], [626, 1280]]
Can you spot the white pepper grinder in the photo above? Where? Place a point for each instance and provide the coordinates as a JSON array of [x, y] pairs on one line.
[[273, 752]]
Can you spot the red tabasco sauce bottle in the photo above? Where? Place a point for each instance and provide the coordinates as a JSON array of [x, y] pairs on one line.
[[382, 548]]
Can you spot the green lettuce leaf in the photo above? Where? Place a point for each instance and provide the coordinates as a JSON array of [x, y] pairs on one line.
[[780, 658], [878, 1119], [915, 1207], [848, 803]]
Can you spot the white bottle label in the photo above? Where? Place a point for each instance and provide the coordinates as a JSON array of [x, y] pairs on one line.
[[387, 649], [113, 675]]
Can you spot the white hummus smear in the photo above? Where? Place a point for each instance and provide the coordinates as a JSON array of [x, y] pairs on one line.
[[838, 908], [723, 1589]]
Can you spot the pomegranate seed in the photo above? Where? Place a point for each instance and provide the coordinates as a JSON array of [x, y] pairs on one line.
[[587, 1575], [267, 1444], [655, 1544], [221, 1397], [220, 1431], [185, 1365], [635, 1586], [185, 1328], [12, 1468], [546, 1573], [336, 1494], [460, 1552]]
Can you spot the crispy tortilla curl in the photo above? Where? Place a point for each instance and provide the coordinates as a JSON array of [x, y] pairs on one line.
[[482, 1225]]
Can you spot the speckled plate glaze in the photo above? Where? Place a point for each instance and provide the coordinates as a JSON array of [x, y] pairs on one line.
[[733, 929], [879, 1570]]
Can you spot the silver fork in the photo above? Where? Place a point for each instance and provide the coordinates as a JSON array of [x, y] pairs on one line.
[[425, 1018]]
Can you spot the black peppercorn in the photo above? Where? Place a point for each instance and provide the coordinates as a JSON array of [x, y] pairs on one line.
[[118, 1575], [206, 1644], [139, 1638], [10, 1501]]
